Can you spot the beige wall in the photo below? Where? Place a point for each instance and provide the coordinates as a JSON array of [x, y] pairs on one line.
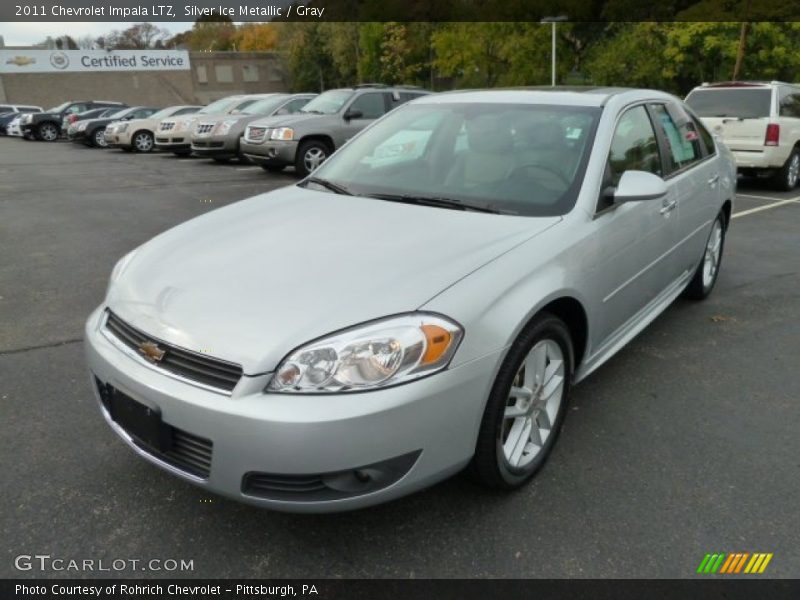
[[238, 72]]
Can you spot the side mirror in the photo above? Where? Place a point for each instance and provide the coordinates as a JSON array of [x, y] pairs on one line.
[[353, 114], [639, 185]]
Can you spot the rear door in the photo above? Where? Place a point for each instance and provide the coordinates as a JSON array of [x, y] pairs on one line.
[[692, 172], [739, 115]]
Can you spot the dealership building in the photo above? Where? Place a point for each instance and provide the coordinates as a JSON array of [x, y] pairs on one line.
[[47, 77]]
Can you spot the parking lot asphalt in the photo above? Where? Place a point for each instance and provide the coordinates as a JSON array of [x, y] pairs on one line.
[[685, 443]]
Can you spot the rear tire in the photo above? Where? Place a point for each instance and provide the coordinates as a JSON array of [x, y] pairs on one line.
[[526, 405], [705, 277], [785, 179]]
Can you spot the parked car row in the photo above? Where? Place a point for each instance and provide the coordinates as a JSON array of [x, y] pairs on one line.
[[272, 130], [759, 121]]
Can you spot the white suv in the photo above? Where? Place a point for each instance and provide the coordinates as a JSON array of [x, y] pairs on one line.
[[759, 122]]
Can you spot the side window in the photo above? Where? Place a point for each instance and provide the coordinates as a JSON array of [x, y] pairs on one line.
[[789, 103], [708, 139], [680, 133], [143, 113], [634, 146], [185, 111], [75, 108], [370, 105]]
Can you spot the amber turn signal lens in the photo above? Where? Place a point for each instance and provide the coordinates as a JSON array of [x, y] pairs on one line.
[[438, 340]]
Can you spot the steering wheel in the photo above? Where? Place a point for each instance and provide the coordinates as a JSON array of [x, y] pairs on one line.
[[522, 168]]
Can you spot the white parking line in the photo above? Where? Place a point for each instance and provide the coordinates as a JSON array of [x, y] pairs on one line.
[[247, 168], [765, 207], [773, 198]]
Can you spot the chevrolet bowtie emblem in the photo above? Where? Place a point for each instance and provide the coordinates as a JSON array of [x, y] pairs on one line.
[[151, 351]]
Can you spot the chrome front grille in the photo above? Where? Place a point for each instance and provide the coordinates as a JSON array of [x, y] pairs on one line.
[[193, 366], [203, 128], [166, 126]]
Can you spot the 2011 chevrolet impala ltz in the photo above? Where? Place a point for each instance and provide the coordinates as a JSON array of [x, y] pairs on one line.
[[420, 304]]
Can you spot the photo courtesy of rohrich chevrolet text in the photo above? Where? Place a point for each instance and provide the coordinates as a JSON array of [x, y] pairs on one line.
[[331, 300]]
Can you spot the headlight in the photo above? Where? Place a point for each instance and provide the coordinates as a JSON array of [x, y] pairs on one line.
[[282, 133], [224, 127], [378, 354], [121, 128], [119, 268]]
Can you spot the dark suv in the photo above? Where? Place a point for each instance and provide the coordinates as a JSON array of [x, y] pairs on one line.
[[306, 138], [46, 126]]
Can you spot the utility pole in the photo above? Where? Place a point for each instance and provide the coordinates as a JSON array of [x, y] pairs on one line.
[[737, 69]]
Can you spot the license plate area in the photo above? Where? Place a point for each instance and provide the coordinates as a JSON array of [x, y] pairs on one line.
[[141, 422]]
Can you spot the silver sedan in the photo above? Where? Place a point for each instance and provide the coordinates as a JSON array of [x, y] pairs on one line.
[[420, 305]]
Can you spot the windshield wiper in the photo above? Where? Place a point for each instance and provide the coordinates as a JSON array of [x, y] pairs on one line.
[[437, 201], [329, 185]]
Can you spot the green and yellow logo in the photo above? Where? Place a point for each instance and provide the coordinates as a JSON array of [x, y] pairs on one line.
[[734, 563]]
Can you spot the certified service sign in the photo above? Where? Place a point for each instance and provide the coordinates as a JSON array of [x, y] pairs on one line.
[[53, 61]]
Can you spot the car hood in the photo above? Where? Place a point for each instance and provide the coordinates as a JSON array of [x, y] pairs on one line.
[[286, 120], [252, 281]]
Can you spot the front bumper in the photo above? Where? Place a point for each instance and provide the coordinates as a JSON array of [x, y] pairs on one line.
[[173, 141], [215, 146], [431, 423], [77, 136], [270, 152]]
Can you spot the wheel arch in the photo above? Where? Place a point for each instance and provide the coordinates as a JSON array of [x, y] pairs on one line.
[[320, 137], [573, 314], [727, 208]]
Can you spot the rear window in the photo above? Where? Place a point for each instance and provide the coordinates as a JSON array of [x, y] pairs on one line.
[[746, 103]]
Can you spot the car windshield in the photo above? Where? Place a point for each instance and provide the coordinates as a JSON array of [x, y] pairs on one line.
[[119, 113], [60, 107], [747, 103], [328, 103], [522, 159], [220, 106], [164, 113], [264, 106]]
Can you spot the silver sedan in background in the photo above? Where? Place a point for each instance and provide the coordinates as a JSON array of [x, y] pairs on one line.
[[422, 303]]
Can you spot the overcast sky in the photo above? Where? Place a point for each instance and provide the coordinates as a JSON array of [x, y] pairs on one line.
[[25, 34]]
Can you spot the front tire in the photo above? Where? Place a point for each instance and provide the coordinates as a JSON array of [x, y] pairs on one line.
[[310, 155], [786, 177], [143, 142], [47, 132], [526, 406], [98, 138], [705, 277]]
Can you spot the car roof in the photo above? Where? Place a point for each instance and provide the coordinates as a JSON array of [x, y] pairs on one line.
[[567, 95], [741, 84]]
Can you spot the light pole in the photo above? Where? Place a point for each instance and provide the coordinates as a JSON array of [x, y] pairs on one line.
[[553, 21]]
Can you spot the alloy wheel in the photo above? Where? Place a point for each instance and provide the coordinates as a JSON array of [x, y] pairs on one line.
[[712, 254], [313, 158], [794, 171], [100, 138], [533, 404], [143, 142], [48, 132]]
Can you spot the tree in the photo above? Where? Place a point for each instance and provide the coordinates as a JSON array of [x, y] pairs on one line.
[[136, 37], [256, 37]]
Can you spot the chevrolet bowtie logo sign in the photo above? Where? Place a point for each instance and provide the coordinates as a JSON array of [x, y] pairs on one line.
[[151, 351], [735, 563]]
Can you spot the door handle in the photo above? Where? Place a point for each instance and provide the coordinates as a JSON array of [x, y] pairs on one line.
[[668, 206], [713, 180]]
